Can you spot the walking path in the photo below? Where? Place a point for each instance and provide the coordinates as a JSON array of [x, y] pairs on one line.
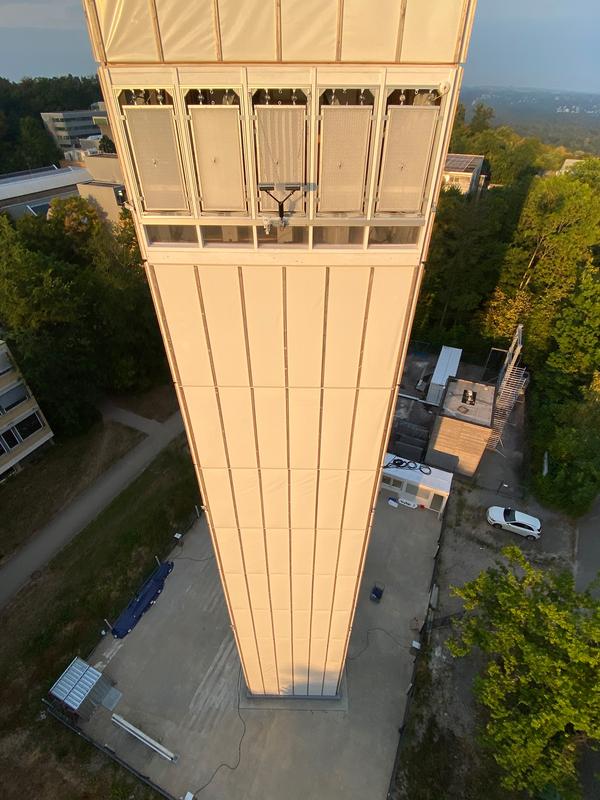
[[588, 548], [86, 506]]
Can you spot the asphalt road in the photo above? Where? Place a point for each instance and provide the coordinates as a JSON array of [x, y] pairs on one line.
[[588, 549], [86, 506]]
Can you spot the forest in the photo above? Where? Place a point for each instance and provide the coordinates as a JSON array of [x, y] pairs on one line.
[[528, 250], [24, 142], [76, 311]]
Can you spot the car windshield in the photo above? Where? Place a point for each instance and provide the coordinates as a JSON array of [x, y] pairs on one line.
[[509, 515]]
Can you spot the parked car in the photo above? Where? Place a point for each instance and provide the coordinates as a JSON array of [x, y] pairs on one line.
[[514, 521], [146, 597]]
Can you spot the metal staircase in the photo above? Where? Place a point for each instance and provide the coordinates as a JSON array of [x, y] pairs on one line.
[[513, 381]]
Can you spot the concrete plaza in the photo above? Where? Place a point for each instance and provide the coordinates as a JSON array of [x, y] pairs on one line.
[[180, 677]]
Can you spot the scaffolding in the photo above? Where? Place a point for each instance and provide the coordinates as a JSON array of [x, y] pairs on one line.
[[511, 382]]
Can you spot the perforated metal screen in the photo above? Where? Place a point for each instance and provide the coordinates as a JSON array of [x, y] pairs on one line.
[[155, 155], [345, 134], [405, 160], [218, 154]]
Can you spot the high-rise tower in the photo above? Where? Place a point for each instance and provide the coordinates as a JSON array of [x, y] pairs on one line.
[[282, 160]]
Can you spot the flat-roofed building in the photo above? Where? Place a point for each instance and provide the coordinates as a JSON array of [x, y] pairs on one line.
[[464, 172], [463, 427], [23, 427], [31, 192], [283, 161]]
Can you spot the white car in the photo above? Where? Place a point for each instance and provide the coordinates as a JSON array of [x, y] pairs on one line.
[[514, 521]]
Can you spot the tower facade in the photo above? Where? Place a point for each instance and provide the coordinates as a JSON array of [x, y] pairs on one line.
[[282, 160]]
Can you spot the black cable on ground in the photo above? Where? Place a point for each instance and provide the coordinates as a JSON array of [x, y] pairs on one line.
[[382, 630], [401, 463], [239, 758]]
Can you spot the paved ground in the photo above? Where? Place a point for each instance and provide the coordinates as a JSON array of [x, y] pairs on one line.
[[588, 550], [86, 507], [179, 674]]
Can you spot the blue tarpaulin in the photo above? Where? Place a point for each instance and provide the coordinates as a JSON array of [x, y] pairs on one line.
[[145, 597]]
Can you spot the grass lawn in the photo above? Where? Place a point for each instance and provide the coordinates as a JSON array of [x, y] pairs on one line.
[[435, 763], [60, 615], [158, 403], [33, 496]]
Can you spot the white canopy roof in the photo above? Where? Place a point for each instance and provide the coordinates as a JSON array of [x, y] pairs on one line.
[[438, 480]]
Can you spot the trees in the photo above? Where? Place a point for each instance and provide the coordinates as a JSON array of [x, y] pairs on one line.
[[75, 306], [541, 683], [24, 142], [106, 145], [559, 224], [481, 118]]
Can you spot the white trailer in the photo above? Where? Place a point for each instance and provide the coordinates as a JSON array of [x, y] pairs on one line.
[[446, 367]]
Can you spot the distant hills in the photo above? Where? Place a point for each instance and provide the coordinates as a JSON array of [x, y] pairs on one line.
[[564, 118]]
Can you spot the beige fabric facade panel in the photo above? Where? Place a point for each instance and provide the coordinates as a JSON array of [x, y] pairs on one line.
[[182, 37], [371, 29], [363, 31], [127, 30], [288, 471], [301, 39]]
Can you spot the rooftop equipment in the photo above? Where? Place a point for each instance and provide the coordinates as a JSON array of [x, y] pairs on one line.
[[446, 367]]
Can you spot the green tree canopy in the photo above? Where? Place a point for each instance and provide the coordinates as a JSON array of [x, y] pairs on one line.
[[541, 683], [481, 118], [106, 145], [24, 142], [75, 306]]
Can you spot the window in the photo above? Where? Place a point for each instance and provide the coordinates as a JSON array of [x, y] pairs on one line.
[[28, 426], [338, 235], [171, 234], [399, 234], [5, 362], [281, 236], [437, 501], [12, 398], [227, 235], [411, 488], [10, 439]]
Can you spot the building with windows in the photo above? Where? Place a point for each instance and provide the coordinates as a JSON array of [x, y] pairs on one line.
[[283, 160], [31, 192], [464, 172], [23, 427], [68, 127]]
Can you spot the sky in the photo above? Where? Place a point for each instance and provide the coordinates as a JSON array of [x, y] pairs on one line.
[[544, 44]]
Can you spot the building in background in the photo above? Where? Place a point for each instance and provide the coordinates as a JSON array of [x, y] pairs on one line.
[[68, 127], [31, 192], [464, 172], [568, 165], [282, 161], [106, 187], [23, 427]]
